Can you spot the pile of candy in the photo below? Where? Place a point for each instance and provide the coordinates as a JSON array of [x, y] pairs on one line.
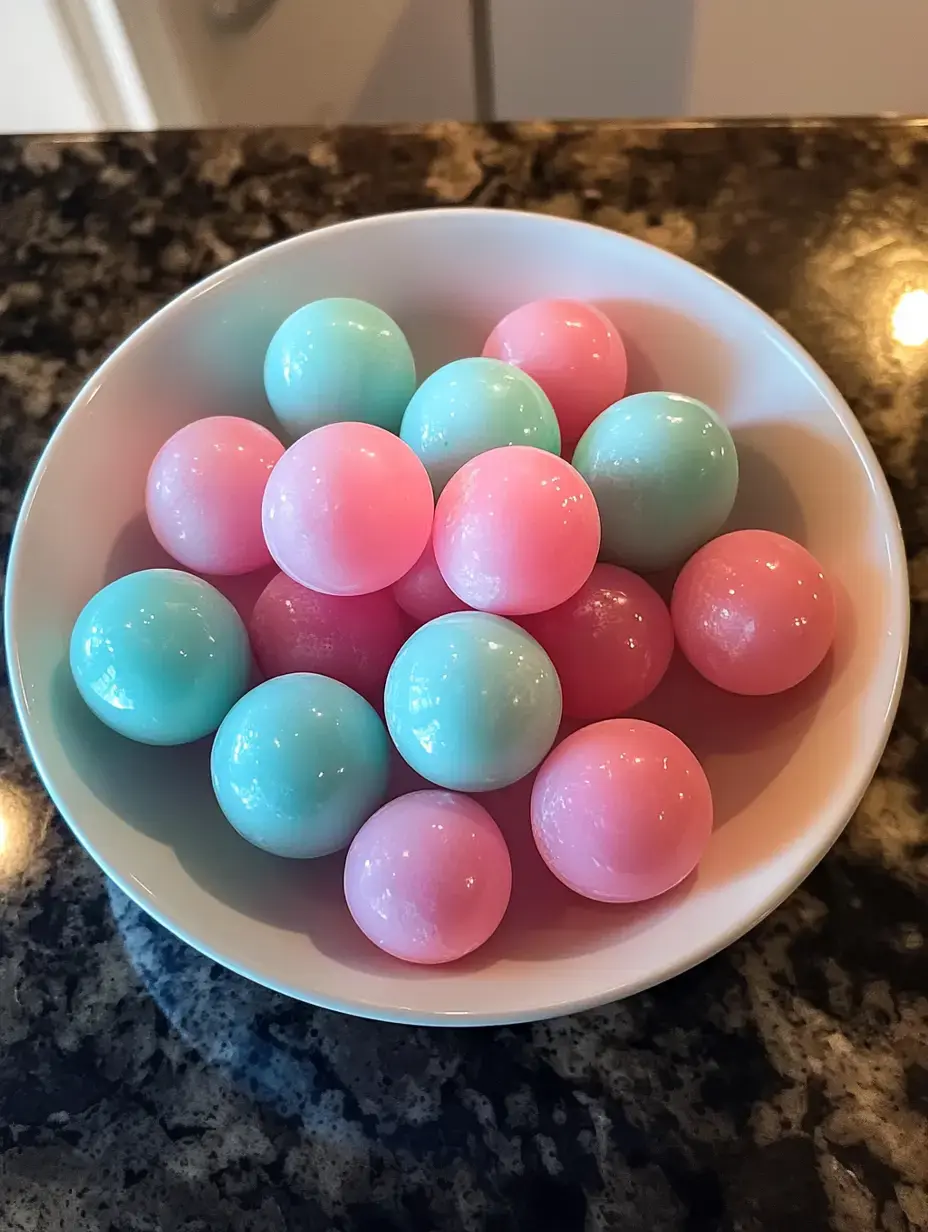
[[444, 568]]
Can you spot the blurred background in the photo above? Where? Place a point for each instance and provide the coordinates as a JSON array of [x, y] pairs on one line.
[[84, 65]]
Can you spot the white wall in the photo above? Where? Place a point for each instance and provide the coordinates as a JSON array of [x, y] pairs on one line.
[[41, 84]]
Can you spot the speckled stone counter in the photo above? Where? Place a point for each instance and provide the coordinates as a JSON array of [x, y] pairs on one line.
[[782, 1085]]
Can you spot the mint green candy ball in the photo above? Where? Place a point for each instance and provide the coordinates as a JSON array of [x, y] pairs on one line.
[[664, 472], [473, 405]]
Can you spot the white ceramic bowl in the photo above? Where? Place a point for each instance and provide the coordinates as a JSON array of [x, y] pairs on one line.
[[786, 772]]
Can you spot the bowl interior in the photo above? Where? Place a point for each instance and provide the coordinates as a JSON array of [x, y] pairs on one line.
[[786, 772]]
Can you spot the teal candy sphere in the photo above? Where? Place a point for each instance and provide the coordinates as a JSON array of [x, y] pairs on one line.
[[160, 656], [299, 764], [336, 360], [472, 405], [472, 702], [664, 472]]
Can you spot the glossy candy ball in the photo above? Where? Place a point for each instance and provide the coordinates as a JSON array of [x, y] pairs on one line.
[[572, 350], [472, 702], [753, 612], [470, 406], [299, 764], [516, 531], [610, 643], [428, 877], [348, 509], [352, 638], [664, 472], [423, 593], [621, 811], [160, 656], [336, 360], [204, 494]]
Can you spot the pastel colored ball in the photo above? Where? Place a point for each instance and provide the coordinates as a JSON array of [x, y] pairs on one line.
[[753, 612], [610, 643], [472, 702], [299, 764], [572, 350], [160, 656], [336, 360], [621, 811], [516, 531], [428, 877], [423, 593], [664, 472], [470, 406], [204, 493], [348, 509], [352, 638]]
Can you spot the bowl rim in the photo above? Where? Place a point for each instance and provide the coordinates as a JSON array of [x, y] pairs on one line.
[[850, 795]]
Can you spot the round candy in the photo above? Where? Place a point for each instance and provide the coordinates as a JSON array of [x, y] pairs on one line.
[[423, 593], [473, 405], [299, 764], [610, 643], [348, 509], [753, 612], [428, 877], [472, 702], [621, 811], [160, 656], [572, 350], [204, 494], [516, 531], [664, 472], [336, 360], [352, 638]]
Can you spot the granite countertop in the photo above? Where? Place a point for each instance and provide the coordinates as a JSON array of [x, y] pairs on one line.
[[781, 1086]]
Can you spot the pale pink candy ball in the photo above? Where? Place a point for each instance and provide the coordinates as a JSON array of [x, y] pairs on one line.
[[352, 638], [428, 877], [204, 494], [610, 643], [621, 811], [573, 351], [348, 509], [516, 531], [753, 612], [423, 593]]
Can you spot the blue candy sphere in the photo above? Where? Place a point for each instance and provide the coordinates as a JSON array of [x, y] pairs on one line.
[[337, 360], [299, 764], [160, 656], [472, 405], [472, 702]]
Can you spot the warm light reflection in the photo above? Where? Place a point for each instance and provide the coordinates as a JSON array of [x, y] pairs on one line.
[[910, 319], [17, 833]]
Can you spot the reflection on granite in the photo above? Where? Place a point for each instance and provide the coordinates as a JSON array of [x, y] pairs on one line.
[[782, 1085]]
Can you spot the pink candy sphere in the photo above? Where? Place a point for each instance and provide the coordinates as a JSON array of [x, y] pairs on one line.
[[573, 351], [348, 509], [610, 643], [204, 493], [753, 612], [423, 593], [516, 531], [428, 877], [352, 638], [621, 811]]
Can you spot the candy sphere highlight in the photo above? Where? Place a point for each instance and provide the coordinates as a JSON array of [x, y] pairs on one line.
[[621, 811], [423, 593], [299, 764], [428, 877], [753, 612], [470, 406], [516, 531], [160, 656], [336, 360], [472, 702], [572, 350], [664, 472], [204, 493], [610, 643], [352, 638], [348, 510]]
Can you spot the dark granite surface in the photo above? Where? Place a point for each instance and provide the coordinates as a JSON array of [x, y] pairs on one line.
[[782, 1085]]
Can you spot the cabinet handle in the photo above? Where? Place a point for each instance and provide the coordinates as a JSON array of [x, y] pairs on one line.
[[237, 16]]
